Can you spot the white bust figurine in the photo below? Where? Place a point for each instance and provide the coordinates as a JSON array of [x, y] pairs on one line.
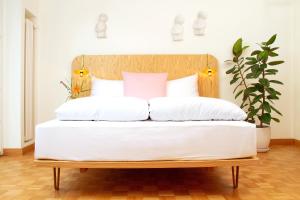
[[101, 26], [177, 29], [200, 24]]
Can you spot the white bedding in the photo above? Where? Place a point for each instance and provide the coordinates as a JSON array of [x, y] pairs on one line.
[[194, 108], [101, 108], [144, 140]]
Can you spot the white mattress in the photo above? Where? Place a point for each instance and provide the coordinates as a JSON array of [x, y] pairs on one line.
[[144, 140]]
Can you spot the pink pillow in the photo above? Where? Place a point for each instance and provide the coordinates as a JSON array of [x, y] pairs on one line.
[[145, 85]]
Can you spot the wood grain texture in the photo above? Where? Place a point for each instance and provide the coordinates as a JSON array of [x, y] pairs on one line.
[[148, 164], [12, 152], [177, 66], [18, 151], [282, 142], [277, 177]]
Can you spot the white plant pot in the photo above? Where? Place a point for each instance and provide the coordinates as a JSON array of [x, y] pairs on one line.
[[263, 138]]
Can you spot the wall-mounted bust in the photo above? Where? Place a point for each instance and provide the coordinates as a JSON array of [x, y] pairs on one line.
[[199, 25], [101, 26], [177, 29]]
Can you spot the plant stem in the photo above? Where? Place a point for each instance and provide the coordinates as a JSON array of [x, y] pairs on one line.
[[244, 82], [264, 96]]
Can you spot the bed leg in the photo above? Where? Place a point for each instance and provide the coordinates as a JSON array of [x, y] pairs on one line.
[[56, 177], [235, 176]]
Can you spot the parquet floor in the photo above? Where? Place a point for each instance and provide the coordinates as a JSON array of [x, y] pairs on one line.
[[276, 177]]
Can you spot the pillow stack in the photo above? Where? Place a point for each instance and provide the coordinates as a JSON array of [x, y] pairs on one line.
[[143, 96], [146, 86]]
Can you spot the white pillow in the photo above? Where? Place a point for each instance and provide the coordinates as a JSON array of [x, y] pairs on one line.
[[104, 109], [85, 108], [183, 87], [194, 108], [107, 88]]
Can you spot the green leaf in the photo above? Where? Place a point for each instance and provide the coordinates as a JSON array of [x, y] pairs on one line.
[[276, 82], [265, 82], [259, 87], [233, 81], [275, 110], [271, 40], [263, 55], [230, 70], [248, 91], [236, 76], [250, 76], [256, 99], [236, 87], [267, 74], [227, 62], [275, 119], [266, 49], [257, 73], [273, 63], [251, 58], [252, 113], [256, 52], [238, 48], [245, 47], [274, 49], [266, 106], [271, 91], [251, 61], [266, 118], [254, 68], [238, 94], [272, 71], [243, 106], [273, 54], [272, 97]]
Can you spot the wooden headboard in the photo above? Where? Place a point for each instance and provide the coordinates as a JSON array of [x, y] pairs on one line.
[[177, 66]]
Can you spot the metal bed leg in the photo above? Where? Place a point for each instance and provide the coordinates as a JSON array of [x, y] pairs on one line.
[[235, 176], [56, 176]]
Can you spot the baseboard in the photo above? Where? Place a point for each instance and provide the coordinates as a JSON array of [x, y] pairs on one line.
[[12, 152], [18, 151], [283, 141], [297, 143]]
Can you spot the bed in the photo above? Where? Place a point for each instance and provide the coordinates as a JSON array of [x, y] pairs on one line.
[[146, 144]]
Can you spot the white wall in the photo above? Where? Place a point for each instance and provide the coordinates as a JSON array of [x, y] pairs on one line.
[[13, 78], [12, 127], [1, 76], [297, 69], [66, 29]]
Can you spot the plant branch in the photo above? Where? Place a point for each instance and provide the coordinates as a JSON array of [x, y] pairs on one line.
[[264, 99], [244, 83]]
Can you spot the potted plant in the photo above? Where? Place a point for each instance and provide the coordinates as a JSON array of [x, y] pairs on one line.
[[254, 83]]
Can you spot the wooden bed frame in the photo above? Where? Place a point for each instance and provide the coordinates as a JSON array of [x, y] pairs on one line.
[[177, 66], [83, 166]]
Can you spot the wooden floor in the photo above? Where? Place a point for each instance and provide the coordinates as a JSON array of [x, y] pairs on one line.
[[277, 177]]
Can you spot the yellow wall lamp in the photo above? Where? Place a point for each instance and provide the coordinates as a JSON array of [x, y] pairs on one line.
[[209, 70], [83, 71]]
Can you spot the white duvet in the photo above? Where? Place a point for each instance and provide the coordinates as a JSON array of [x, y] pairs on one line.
[[144, 140]]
